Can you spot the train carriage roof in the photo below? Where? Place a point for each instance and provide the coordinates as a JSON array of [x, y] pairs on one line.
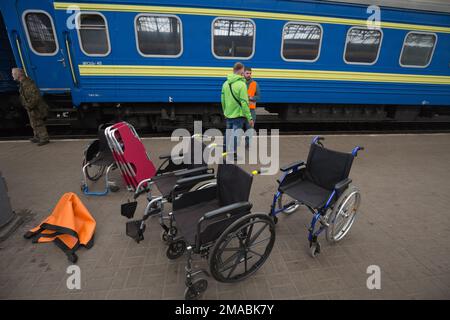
[[423, 5]]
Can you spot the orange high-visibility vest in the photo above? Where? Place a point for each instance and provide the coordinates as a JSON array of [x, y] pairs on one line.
[[251, 91], [69, 226]]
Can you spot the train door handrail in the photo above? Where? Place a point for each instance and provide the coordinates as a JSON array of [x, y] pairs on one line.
[[19, 50], [69, 56]]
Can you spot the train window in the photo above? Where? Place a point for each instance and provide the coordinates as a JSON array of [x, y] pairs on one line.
[[417, 49], [301, 42], [233, 38], [159, 35], [93, 34], [362, 46], [40, 32]]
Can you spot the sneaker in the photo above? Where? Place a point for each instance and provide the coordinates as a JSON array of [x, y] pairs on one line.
[[43, 143], [34, 140]]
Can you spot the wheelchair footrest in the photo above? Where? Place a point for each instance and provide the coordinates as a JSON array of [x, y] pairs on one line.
[[290, 204], [128, 209], [135, 229]]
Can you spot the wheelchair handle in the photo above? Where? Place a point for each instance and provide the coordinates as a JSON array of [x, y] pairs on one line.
[[259, 171], [356, 149], [227, 153], [140, 189], [318, 139]]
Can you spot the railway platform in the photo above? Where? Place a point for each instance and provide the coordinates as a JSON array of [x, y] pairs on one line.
[[403, 228]]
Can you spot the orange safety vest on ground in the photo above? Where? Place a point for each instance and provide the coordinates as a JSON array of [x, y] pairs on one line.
[[252, 91], [69, 226]]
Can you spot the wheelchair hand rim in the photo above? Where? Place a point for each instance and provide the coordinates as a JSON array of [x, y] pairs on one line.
[[339, 231], [242, 253]]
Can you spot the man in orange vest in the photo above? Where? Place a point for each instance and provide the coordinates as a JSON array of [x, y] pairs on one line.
[[253, 96]]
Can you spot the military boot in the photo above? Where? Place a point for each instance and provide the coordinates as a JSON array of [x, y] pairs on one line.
[[43, 143]]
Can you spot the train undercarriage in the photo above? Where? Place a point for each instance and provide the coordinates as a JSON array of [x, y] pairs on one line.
[[160, 117]]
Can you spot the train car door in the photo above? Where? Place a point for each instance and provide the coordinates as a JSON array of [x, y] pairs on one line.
[[47, 58]]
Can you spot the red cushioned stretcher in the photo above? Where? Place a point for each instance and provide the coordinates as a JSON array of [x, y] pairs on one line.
[[130, 154]]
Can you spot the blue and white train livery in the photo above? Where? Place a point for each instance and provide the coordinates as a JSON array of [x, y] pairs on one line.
[[163, 62]]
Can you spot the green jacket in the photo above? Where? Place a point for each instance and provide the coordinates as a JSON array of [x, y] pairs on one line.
[[31, 98], [231, 108]]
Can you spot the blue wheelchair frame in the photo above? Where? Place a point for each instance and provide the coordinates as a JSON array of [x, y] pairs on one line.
[[317, 215]]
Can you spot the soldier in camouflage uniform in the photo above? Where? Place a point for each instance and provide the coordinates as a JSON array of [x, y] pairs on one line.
[[35, 105]]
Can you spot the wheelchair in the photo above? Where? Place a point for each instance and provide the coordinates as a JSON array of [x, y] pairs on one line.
[[166, 178], [216, 223], [323, 186], [97, 160]]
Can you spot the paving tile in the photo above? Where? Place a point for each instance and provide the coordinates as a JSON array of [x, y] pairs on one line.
[[287, 292], [406, 236]]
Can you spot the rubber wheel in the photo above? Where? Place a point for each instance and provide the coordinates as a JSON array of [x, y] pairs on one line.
[[196, 290], [173, 231], [206, 185], [94, 176], [165, 235], [176, 249], [314, 249], [242, 248], [275, 219]]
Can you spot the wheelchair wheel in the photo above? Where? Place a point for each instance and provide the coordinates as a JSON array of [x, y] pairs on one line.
[[314, 249], [290, 209], [206, 185], [165, 235], [343, 214], [194, 291], [176, 249], [93, 174], [274, 218], [242, 248]]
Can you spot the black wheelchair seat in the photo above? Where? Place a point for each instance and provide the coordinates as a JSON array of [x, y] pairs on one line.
[[307, 192]]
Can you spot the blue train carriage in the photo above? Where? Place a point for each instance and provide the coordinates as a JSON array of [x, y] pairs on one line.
[[162, 63], [12, 114]]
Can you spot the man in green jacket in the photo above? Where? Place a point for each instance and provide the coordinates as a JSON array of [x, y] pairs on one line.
[[235, 106]]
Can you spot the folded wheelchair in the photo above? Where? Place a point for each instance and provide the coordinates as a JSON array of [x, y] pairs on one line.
[[323, 186], [97, 160], [216, 222]]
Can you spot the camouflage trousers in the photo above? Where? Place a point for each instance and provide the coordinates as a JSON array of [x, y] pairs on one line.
[[38, 125]]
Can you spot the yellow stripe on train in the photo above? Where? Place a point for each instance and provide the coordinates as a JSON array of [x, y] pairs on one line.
[[293, 74]]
